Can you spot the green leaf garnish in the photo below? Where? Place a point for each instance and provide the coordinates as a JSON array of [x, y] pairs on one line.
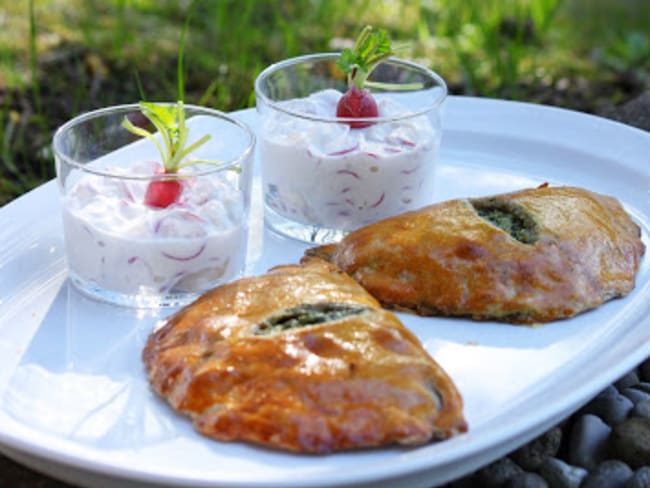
[[372, 46], [169, 121]]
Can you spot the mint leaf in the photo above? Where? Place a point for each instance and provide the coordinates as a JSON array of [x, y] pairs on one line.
[[347, 61], [371, 47], [165, 114], [169, 121]]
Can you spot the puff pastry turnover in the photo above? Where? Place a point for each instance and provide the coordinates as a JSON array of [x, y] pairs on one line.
[[530, 256], [303, 359]]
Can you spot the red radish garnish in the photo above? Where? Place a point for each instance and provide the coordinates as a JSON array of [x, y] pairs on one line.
[[162, 193], [357, 104], [169, 120], [371, 47]]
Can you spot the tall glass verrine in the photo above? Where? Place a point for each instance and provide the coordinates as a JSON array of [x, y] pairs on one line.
[[324, 175], [125, 248]]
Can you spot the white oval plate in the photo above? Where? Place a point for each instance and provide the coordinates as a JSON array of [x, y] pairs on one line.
[[75, 403]]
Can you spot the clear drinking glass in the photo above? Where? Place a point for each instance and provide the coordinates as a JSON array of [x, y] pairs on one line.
[[125, 251], [324, 176]]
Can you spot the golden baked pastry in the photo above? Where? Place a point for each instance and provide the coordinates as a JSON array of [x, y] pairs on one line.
[[530, 256], [302, 359]]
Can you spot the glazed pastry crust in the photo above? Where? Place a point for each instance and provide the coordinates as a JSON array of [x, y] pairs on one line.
[[359, 381], [445, 259]]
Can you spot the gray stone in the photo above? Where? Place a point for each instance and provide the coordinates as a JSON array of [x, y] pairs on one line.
[[628, 380], [630, 441], [609, 390], [636, 395], [644, 370], [642, 409], [644, 386], [559, 474], [588, 441], [612, 408], [640, 479], [635, 112], [526, 480], [499, 472], [608, 474], [532, 455]]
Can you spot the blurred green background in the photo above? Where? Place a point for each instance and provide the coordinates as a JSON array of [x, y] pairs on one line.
[[62, 57]]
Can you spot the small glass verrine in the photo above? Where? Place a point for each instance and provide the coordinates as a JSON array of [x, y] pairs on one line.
[[324, 176], [124, 251]]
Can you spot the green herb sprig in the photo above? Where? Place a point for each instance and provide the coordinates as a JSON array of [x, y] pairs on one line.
[[371, 47], [169, 121]]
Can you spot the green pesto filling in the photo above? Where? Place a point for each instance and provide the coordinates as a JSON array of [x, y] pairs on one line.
[[307, 314], [509, 217]]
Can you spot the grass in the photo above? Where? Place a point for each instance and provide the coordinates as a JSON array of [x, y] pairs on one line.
[[62, 57]]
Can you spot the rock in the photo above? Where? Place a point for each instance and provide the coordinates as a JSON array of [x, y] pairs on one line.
[[526, 480], [609, 474], [588, 441], [635, 112], [559, 474], [636, 395], [626, 381], [609, 390], [532, 455], [612, 408], [642, 409], [499, 472], [644, 386], [630, 441], [644, 370], [640, 479]]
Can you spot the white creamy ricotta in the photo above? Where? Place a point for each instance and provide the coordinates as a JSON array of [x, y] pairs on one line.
[[118, 243], [329, 175]]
